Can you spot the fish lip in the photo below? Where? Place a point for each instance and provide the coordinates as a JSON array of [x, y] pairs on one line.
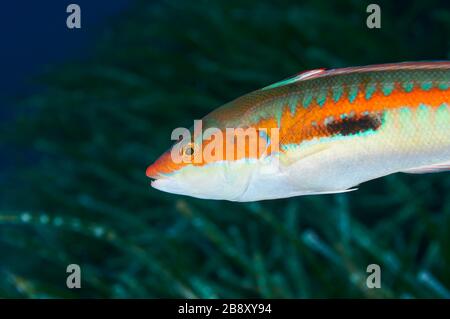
[[157, 177], [152, 182], [152, 173], [168, 185]]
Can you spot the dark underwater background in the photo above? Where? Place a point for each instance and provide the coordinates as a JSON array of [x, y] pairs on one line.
[[84, 112]]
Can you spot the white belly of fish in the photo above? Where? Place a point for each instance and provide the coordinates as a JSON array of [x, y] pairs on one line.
[[408, 141]]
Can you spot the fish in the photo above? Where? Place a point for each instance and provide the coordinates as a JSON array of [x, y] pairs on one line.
[[322, 131]]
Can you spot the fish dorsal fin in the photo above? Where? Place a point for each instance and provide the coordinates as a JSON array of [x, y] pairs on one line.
[[435, 168], [298, 77], [307, 75]]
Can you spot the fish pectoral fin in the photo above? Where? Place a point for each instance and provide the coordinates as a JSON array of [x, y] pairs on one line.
[[293, 157], [435, 168]]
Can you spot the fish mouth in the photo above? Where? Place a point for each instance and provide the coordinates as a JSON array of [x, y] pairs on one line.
[[161, 181], [168, 185], [153, 173], [156, 180]]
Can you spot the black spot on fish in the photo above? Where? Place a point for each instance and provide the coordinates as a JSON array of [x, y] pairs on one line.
[[355, 124]]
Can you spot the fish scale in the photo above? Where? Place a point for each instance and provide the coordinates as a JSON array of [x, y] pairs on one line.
[[383, 92], [337, 129]]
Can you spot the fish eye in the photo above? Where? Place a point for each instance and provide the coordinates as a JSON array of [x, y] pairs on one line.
[[189, 149]]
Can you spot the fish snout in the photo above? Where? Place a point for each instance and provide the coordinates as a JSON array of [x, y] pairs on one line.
[[162, 167], [152, 171]]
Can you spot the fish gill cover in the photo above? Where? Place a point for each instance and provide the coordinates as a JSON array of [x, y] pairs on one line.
[[84, 198]]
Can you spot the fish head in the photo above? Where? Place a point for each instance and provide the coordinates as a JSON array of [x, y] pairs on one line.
[[220, 163], [217, 179], [221, 180]]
